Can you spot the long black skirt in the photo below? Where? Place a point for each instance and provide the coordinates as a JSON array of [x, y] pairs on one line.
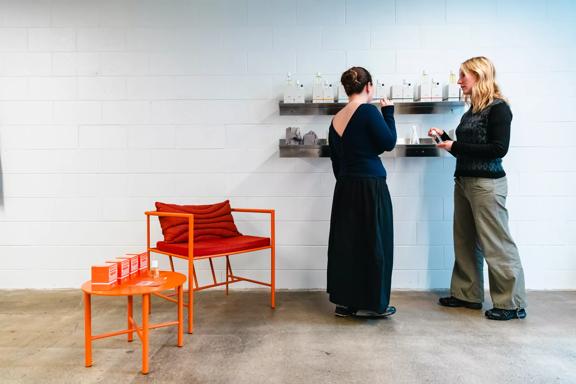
[[361, 244]]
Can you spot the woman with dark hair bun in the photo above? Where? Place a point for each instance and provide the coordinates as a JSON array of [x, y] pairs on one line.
[[360, 247]]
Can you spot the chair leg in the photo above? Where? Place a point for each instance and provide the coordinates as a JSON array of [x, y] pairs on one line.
[[227, 274], [191, 275], [171, 263], [273, 277], [212, 269]]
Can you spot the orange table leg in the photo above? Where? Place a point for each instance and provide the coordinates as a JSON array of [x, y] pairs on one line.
[[88, 329], [130, 315], [145, 313], [180, 315]]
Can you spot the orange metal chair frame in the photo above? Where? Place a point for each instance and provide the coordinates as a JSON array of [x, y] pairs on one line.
[[230, 276]]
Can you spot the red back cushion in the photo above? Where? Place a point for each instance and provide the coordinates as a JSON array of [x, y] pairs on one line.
[[210, 221]]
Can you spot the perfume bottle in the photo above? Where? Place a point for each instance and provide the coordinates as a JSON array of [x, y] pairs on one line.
[[318, 89], [289, 89], [414, 139], [154, 269]]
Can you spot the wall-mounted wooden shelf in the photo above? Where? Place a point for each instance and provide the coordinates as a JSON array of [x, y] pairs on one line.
[[416, 107]]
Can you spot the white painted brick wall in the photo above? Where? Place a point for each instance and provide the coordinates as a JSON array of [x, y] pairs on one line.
[[109, 106]]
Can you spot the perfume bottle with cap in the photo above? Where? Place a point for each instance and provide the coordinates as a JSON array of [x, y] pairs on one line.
[[289, 89], [154, 269], [424, 89], [414, 139], [318, 89], [452, 90], [436, 137]]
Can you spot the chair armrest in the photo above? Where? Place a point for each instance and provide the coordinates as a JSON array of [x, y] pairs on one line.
[[253, 210], [272, 214], [169, 214], [189, 216]]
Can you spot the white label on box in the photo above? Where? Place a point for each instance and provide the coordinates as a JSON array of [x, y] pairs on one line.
[[125, 268], [113, 272], [143, 261]]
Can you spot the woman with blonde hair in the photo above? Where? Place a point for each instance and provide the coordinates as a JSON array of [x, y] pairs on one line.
[[480, 217]]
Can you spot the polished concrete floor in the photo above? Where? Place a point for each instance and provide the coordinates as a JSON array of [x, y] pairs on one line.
[[239, 339]]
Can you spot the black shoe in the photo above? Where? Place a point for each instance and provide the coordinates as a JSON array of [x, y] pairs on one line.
[[389, 311], [505, 314], [453, 302], [342, 311]]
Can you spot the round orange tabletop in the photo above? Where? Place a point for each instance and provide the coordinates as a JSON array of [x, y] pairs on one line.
[[139, 285]]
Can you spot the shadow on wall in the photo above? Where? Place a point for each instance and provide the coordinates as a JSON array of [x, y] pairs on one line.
[[437, 275]]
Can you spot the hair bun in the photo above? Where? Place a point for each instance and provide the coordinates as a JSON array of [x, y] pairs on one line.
[[355, 79]]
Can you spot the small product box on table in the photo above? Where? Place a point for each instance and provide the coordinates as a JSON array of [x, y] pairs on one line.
[[104, 276], [142, 262], [123, 267], [134, 264]]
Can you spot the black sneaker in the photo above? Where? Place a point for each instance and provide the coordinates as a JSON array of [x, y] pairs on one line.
[[342, 311], [453, 302], [389, 311], [505, 314]]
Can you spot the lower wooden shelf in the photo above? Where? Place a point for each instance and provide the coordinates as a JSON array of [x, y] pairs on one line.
[[426, 148]]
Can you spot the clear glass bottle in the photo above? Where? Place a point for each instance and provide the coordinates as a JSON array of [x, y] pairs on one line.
[[154, 269]]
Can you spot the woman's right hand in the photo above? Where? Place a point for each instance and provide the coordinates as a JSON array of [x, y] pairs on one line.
[[438, 131], [385, 102]]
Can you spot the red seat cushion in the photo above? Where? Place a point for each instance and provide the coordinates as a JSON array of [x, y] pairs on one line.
[[212, 221], [216, 246]]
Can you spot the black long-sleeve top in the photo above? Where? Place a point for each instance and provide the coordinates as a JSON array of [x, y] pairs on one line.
[[368, 134], [483, 140]]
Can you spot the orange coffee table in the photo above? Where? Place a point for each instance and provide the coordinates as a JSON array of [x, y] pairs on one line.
[[135, 286]]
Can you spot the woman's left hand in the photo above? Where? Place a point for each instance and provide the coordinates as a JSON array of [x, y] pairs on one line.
[[447, 145]]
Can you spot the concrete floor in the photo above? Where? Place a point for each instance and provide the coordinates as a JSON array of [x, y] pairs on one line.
[[238, 339]]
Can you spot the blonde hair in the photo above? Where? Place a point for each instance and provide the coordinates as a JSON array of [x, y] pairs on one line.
[[485, 90]]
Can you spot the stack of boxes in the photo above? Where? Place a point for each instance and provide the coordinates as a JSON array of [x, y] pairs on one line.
[[120, 270]]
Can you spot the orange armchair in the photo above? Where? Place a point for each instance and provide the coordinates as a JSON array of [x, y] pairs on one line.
[[209, 249]]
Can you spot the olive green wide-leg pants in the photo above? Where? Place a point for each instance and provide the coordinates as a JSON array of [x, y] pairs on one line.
[[481, 232]]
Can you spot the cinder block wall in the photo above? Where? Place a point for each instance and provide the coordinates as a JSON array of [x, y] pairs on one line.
[[108, 106]]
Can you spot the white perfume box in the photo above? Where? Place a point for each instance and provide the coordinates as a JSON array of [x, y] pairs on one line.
[[407, 92], [318, 93], [299, 93], [328, 93], [289, 92], [424, 92], [396, 92], [436, 91], [381, 90], [452, 92]]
